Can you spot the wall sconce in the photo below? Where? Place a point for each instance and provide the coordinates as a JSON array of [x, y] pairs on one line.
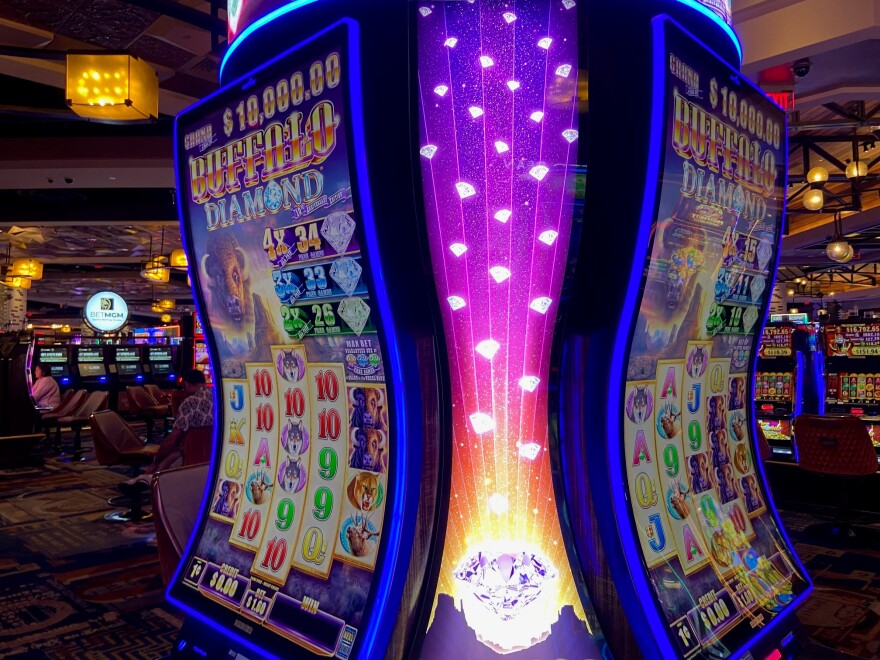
[[856, 169], [178, 259], [30, 268], [111, 87], [155, 271]]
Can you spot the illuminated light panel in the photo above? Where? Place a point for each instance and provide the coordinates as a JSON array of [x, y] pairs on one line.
[[440, 90], [456, 302], [541, 304], [428, 151], [450, 42], [498, 504], [529, 383], [499, 273], [570, 134], [545, 43], [509, 16], [506, 395], [465, 190], [530, 450], [425, 11], [486, 61], [539, 172], [475, 111], [536, 116], [487, 348], [548, 237], [458, 249]]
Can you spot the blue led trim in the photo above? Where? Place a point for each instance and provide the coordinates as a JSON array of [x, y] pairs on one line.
[[703, 9], [256, 25]]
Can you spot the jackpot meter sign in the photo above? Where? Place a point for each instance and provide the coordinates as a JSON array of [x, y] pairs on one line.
[[300, 485], [718, 565]]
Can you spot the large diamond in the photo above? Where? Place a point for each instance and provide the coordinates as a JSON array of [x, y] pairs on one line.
[[337, 229], [505, 582], [355, 312], [346, 272]]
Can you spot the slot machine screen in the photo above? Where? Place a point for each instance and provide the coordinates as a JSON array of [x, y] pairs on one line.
[[55, 358], [90, 369], [718, 565], [854, 340], [128, 355], [160, 360], [285, 552], [90, 354], [128, 368]]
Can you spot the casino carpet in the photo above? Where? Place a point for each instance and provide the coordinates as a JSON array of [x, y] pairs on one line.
[[73, 585]]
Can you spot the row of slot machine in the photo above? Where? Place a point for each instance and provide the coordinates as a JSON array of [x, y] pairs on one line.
[[411, 458], [807, 368]]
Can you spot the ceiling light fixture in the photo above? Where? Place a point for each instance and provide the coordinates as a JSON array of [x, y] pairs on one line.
[[111, 87], [839, 249]]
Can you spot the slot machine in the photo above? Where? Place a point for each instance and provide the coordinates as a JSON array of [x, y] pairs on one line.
[[55, 358], [17, 413], [127, 366], [89, 366], [671, 516], [852, 380], [299, 220], [201, 360], [162, 361]]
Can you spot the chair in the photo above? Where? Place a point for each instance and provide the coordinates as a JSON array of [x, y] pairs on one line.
[[197, 445], [176, 496], [764, 450], [94, 402], [836, 447], [145, 408], [65, 408], [116, 443], [156, 394], [177, 397]]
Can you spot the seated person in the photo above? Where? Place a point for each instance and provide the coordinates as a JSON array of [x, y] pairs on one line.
[[197, 409], [45, 390]]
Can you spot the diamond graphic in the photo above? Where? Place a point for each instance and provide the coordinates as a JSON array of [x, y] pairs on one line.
[[498, 504], [536, 116], [458, 249], [499, 273], [530, 450], [501, 147], [563, 70], [456, 302], [487, 348], [545, 43], [440, 90], [764, 254], [758, 287], [465, 190], [505, 582], [346, 272], [355, 312], [529, 383], [570, 134], [749, 318], [273, 196], [482, 423], [450, 42], [486, 61], [541, 304], [548, 236], [539, 172], [475, 111], [337, 229], [502, 216], [428, 151], [424, 11], [513, 85], [509, 16], [568, 4]]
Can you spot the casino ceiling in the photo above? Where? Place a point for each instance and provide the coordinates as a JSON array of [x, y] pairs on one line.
[[93, 201]]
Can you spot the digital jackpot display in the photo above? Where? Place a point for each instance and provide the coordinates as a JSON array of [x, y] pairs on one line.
[[852, 340], [301, 477], [718, 565], [776, 341], [498, 147]]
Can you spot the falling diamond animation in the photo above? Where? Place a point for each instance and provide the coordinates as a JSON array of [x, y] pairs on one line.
[[428, 151], [536, 116], [498, 504], [568, 4], [513, 85], [487, 348], [450, 42], [440, 90], [529, 383], [541, 304], [424, 11], [562, 70], [539, 172], [509, 16], [501, 147], [455, 302], [338, 229], [355, 312], [548, 236], [475, 111], [530, 450], [465, 190], [545, 43], [482, 423], [570, 134], [503, 215], [499, 273], [346, 272], [486, 61], [458, 249]]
